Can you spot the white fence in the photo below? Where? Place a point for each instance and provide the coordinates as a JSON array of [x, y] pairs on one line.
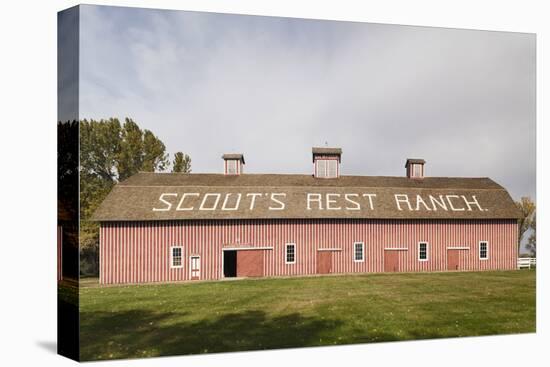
[[527, 262]]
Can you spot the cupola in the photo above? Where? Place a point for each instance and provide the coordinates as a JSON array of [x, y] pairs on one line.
[[233, 163], [415, 168], [326, 162]]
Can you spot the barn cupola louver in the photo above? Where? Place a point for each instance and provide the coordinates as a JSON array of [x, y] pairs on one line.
[[415, 168], [326, 162], [233, 163]]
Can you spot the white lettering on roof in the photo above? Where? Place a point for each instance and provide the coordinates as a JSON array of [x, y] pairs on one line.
[[313, 201]]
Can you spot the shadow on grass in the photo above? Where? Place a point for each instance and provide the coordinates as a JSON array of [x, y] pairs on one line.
[[146, 334]]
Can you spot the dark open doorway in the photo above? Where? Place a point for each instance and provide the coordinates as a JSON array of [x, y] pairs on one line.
[[230, 264]]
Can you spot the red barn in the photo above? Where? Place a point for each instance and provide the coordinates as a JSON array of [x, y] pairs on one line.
[[163, 227]]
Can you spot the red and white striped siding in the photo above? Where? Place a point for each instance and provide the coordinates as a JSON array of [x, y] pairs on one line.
[[139, 252]]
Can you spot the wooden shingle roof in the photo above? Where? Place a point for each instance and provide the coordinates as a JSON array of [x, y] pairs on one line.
[[414, 161], [178, 196], [326, 150], [237, 156]]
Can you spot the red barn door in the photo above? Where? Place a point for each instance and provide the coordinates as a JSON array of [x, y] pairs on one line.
[[324, 262], [250, 263], [453, 259], [391, 261]]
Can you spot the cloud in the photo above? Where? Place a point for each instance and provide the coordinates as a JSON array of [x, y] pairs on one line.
[[274, 87]]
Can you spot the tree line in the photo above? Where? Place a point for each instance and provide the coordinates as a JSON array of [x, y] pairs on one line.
[[111, 151]]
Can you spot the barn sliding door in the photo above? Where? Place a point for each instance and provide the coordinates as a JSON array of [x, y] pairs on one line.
[[453, 259], [250, 263], [324, 262], [391, 261]]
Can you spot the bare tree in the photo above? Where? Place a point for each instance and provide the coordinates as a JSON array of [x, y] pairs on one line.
[[527, 208], [532, 240]]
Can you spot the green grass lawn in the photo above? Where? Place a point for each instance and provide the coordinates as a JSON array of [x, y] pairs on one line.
[[167, 319]]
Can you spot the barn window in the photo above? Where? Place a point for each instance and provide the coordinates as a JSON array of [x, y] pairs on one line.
[[422, 251], [483, 250], [416, 170], [326, 168], [321, 165], [176, 255], [332, 168], [358, 252], [290, 255]]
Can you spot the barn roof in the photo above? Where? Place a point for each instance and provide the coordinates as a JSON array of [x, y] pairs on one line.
[[414, 161], [175, 196], [237, 156], [326, 150]]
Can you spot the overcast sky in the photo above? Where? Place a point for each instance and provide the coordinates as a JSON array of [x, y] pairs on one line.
[[272, 88]]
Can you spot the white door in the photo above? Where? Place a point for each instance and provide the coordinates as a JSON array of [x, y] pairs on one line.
[[195, 267]]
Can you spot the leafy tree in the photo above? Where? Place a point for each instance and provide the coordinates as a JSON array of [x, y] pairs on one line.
[[140, 151], [527, 209], [154, 156], [100, 147], [182, 163], [110, 152]]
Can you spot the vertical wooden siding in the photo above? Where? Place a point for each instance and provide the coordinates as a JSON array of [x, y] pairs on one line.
[[139, 252]]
